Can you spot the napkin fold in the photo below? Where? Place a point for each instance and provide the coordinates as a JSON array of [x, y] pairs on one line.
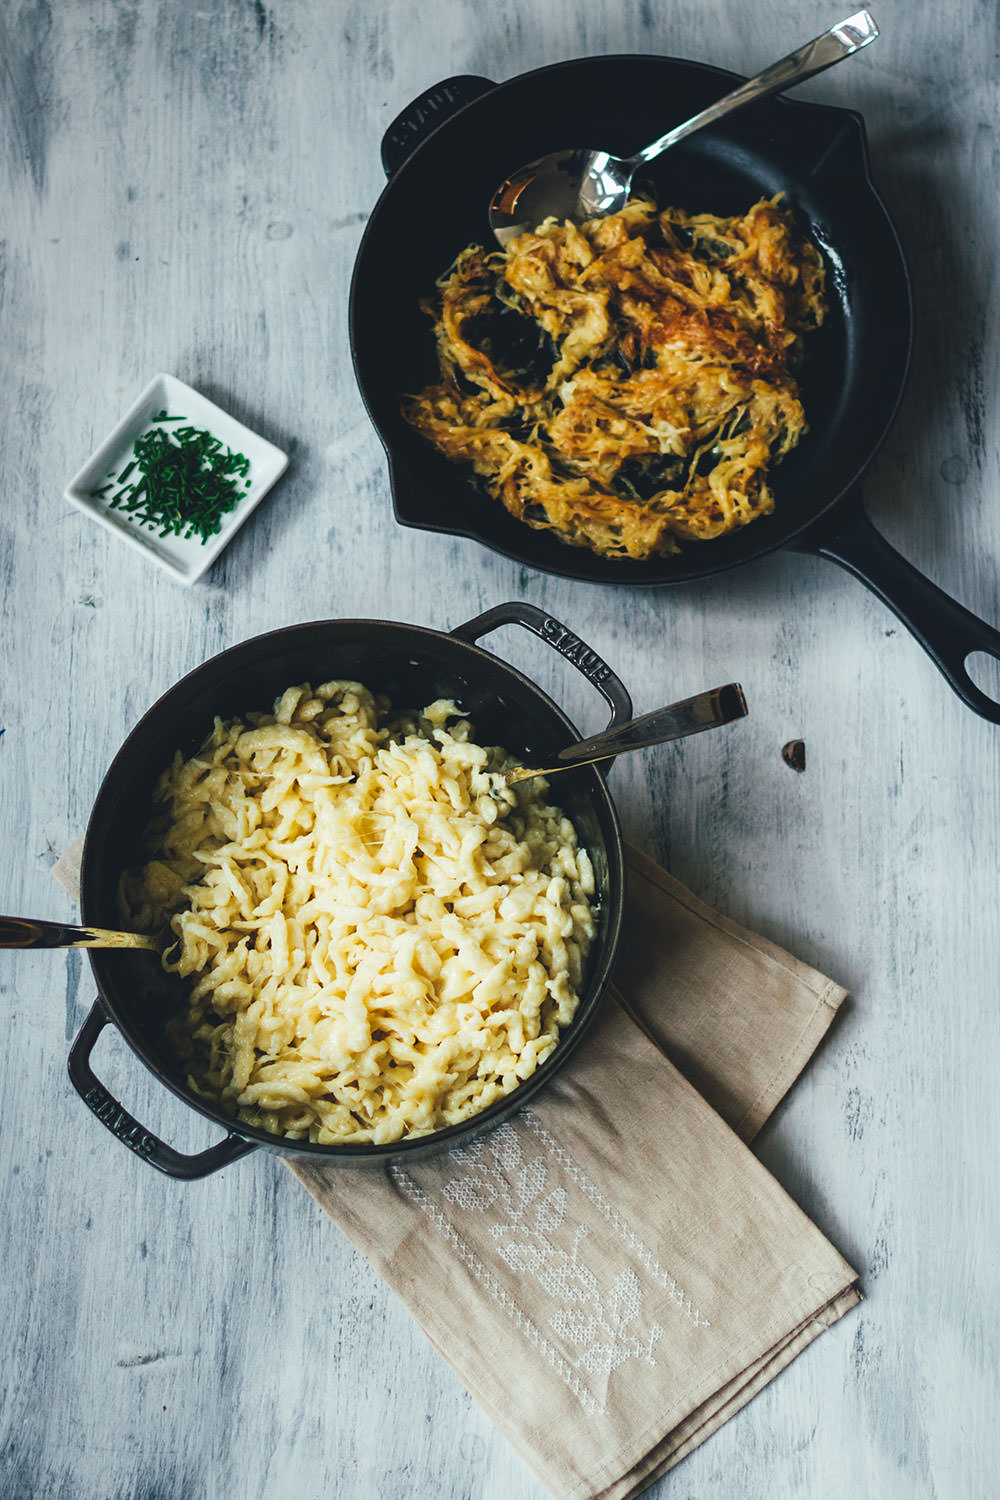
[[738, 1015], [612, 1273]]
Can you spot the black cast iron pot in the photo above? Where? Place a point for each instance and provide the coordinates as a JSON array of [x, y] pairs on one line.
[[414, 666], [446, 153]]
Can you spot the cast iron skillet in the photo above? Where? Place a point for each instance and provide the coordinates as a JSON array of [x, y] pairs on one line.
[[414, 666], [473, 132]]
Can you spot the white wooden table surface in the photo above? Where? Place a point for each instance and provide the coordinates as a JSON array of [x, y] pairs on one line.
[[184, 189]]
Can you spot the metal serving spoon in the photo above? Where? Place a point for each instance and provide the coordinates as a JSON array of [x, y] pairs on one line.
[[24, 932], [584, 184], [704, 711]]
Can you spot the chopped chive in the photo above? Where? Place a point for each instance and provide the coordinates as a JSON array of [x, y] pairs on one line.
[[186, 481]]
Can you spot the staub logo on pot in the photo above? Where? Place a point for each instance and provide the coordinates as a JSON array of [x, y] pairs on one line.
[[122, 1125], [571, 646]]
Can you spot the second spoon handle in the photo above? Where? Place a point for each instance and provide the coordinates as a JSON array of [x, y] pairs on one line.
[[704, 711], [24, 932], [822, 52]]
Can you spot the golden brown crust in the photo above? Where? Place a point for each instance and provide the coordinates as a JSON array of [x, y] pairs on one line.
[[626, 383]]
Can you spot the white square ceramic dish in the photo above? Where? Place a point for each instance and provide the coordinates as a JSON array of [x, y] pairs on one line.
[[185, 558]]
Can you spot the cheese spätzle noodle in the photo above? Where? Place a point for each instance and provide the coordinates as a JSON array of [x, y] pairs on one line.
[[381, 937]]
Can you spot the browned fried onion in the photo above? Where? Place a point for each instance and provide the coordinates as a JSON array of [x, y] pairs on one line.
[[627, 382]]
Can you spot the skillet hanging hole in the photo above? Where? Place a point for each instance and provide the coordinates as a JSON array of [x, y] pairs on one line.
[[983, 668]]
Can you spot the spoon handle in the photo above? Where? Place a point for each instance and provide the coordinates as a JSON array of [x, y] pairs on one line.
[[704, 711], [834, 45], [22, 932]]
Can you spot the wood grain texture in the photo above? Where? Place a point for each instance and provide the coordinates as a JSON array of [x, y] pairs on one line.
[[184, 188]]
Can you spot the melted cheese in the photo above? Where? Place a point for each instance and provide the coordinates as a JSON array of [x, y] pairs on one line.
[[626, 383]]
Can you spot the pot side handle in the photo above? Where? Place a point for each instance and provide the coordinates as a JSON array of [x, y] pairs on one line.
[[123, 1125], [948, 632], [415, 123], [563, 640]]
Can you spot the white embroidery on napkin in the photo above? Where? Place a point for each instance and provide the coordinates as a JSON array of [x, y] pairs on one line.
[[483, 1274], [539, 1232], [642, 1253]]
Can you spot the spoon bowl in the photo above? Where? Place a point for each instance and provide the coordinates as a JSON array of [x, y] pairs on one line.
[[585, 184]]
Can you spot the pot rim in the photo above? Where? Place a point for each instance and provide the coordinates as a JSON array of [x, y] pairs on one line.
[[411, 1147]]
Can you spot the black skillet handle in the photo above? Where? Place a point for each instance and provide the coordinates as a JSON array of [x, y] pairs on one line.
[[947, 632], [110, 1113], [435, 105], [563, 640]]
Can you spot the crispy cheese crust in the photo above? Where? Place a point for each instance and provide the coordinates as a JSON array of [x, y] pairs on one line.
[[626, 383]]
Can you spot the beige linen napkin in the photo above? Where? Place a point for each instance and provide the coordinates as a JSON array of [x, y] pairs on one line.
[[612, 1272]]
